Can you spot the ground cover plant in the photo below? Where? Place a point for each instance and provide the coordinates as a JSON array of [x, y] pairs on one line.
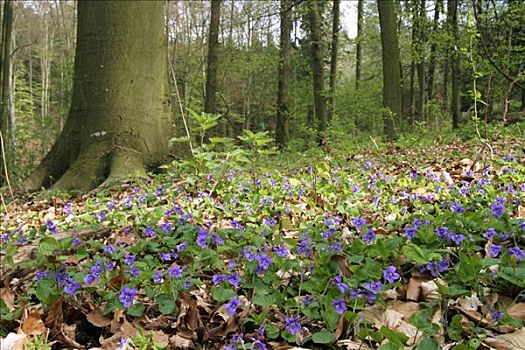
[[392, 247]]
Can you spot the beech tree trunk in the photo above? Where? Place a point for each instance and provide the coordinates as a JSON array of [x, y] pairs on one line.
[[421, 61], [455, 103], [433, 48], [6, 91], [359, 44], [317, 68], [281, 123], [119, 121], [213, 62], [391, 73], [333, 57], [411, 93]]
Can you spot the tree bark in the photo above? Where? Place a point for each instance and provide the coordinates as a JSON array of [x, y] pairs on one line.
[[213, 59], [433, 48], [391, 74], [281, 123], [421, 61], [412, 90], [359, 44], [6, 92], [119, 121], [455, 103], [333, 57], [317, 68]]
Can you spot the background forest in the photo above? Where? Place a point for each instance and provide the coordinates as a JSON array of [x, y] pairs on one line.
[[261, 175], [467, 51]]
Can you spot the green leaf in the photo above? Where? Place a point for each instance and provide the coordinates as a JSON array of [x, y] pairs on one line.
[[428, 344], [136, 310], [166, 304], [323, 337], [414, 253], [221, 294], [47, 246], [389, 346], [264, 299]]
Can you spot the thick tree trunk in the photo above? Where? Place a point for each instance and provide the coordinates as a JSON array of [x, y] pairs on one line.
[[213, 55], [391, 74], [281, 123], [455, 103], [359, 41], [6, 93], [119, 121], [333, 57], [317, 68]]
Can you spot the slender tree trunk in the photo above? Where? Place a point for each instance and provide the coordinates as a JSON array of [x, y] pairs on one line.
[[413, 62], [455, 103], [333, 57], [281, 123], [6, 90], [119, 121], [213, 59], [359, 41], [317, 68], [433, 48], [421, 61], [391, 74]]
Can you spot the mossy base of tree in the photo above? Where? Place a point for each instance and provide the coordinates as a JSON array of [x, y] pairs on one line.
[[99, 163]]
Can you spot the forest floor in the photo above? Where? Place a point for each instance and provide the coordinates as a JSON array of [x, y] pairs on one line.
[[395, 247]]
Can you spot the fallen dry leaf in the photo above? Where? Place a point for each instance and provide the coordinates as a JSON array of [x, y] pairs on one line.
[[521, 212], [343, 264], [33, 325], [13, 341], [414, 286], [471, 303], [97, 319], [160, 338], [126, 331], [55, 316], [7, 295], [517, 311], [391, 319], [430, 290], [353, 345], [67, 335], [512, 341], [178, 342]]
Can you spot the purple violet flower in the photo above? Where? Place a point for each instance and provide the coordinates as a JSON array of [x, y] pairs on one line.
[[339, 306], [127, 295], [369, 236], [232, 305], [494, 250], [390, 274], [292, 324]]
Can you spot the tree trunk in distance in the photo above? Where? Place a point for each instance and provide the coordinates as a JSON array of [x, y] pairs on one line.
[[281, 123], [6, 88], [433, 48], [317, 68], [391, 74], [455, 103], [333, 56], [119, 121], [421, 61], [411, 93], [359, 45], [213, 61]]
